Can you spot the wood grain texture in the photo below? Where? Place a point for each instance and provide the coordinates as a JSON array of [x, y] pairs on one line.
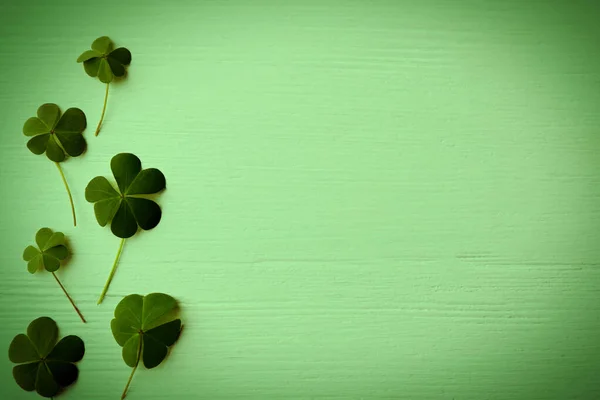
[[376, 200]]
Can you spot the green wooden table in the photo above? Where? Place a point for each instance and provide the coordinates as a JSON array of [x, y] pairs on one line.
[[365, 199]]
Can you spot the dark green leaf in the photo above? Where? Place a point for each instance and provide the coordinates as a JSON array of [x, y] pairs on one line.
[[104, 73], [105, 210], [123, 224], [64, 373], [88, 55], [131, 349], [34, 126], [69, 349], [51, 263], [167, 333], [154, 352], [100, 189], [43, 334], [21, 350], [129, 311], [26, 374], [49, 114], [58, 252], [45, 366], [125, 167], [122, 55], [72, 121], [72, 143], [148, 181], [156, 307], [38, 144], [45, 384], [116, 67], [92, 66], [53, 150], [122, 330], [102, 45], [146, 212]]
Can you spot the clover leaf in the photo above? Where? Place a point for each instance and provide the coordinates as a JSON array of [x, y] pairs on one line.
[[58, 135], [106, 63], [43, 364], [145, 326], [125, 207], [52, 250]]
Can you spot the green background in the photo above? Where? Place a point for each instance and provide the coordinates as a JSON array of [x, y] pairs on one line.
[[365, 199]]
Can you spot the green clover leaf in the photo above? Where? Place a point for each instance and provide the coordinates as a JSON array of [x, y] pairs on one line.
[[105, 63], [145, 326], [43, 364], [126, 207], [55, 134], [52, 250], [58, 135]]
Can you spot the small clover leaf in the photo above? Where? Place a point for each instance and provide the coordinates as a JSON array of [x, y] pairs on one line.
[[58, 135], [145, 326], [125, 207], [43, 364], [52, 250], [106, 63]]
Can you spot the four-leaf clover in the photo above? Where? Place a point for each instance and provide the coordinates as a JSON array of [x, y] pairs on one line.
[[106, 64], [58, 135], [125, 207], [52, 250], [45, 365], [145, 326]]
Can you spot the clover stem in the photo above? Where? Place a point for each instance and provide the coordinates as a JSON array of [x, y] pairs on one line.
[[134, 368], [103, 111], [112, 272], [69, 297], [62, 175]]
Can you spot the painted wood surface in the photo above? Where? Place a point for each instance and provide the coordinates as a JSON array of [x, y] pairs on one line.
[[386, 199]]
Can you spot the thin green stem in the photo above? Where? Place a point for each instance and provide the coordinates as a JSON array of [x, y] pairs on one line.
[[62, 175], [69, 297], [134, 368], [103, 110], [112, 272]]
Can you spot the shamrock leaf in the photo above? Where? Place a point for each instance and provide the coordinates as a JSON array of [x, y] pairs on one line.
[[51, 251], [125, 207], [145, 326], [45, 365], [106, 64], [58, 135]]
